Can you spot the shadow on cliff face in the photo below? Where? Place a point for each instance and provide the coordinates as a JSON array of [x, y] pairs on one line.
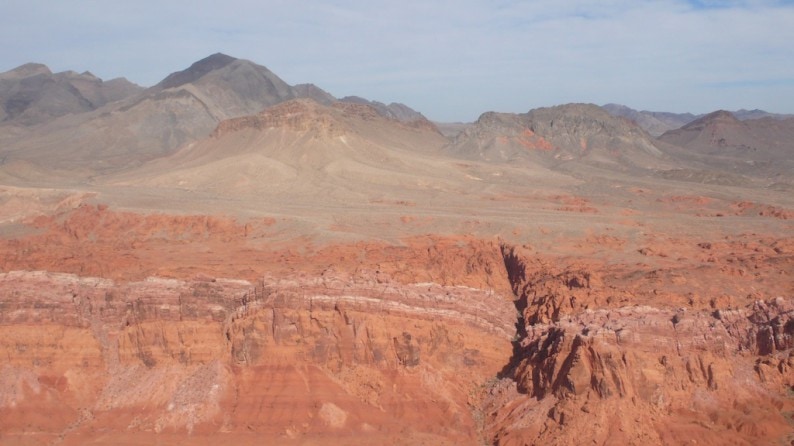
[[516, 275], [597, 358]]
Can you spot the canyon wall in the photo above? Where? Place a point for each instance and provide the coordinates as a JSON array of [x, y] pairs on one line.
[[433, 340], [595, 364], [336, 356]]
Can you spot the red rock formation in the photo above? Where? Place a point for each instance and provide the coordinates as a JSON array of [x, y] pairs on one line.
[[310, 356], [595, 365], [365, 343]]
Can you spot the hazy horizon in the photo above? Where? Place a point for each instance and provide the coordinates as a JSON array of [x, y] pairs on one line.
[[450, 61]]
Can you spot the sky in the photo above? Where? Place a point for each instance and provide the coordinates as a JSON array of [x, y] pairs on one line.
[[450, 60]]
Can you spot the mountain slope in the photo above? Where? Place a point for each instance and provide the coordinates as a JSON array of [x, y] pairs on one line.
[[578, 133], [229, 87], [32, 94], [303, 148], [400, 112], [654, 123], [185, 106], [761, 147]]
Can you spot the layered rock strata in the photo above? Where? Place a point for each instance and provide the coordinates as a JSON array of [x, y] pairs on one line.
[[431, 340], [623, 373], [335, 356]]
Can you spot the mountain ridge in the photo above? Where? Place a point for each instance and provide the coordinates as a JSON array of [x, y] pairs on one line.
[[196, 70], [722, 131], [190, 104], [657, 122], [185, 106], [32, 94], [553, 136]]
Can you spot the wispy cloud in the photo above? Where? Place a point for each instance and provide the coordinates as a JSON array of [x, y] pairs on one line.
[[449, 59]]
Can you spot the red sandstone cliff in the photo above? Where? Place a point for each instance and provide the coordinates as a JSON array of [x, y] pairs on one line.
[[333, 355], [622, 372], [373, 343]]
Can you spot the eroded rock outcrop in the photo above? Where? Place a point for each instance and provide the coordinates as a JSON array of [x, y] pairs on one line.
[[405, 343], [593, 366], [334, 355], [331, 120]]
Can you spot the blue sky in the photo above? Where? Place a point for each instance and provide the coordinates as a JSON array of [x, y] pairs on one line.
[[451, 60]]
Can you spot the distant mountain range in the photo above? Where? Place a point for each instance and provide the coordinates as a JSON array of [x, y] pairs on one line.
[[77, 126], [555, 135], [138, 124], [657, 123], [299, 147], [32, 94], [720, 139]]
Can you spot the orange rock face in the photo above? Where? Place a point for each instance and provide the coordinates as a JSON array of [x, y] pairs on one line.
[[331, 356], [141, 329], [386, 346], [596, 363]]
